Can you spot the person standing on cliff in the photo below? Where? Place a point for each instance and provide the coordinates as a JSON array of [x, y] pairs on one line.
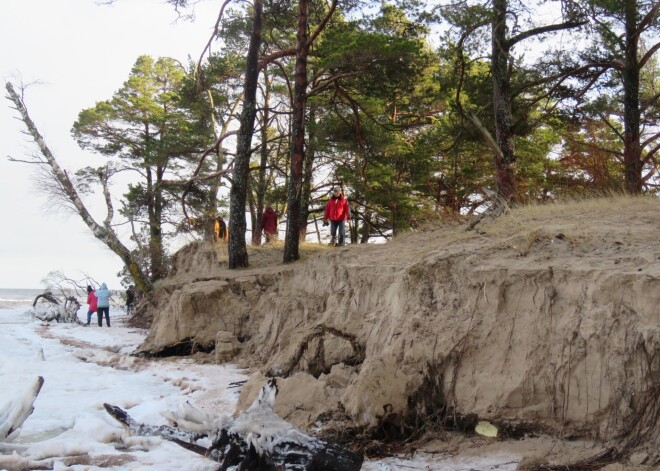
[[103, 305], [269, 224], [338, 212], [92, 301]]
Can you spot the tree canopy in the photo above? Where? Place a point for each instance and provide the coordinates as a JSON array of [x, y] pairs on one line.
[[415, 110]]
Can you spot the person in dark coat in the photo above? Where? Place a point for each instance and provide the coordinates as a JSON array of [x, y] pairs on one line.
[[269, 224], [338, 212], [130, 299]]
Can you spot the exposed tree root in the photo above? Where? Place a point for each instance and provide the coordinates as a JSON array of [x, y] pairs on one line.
[[317, 364], [642, 428]]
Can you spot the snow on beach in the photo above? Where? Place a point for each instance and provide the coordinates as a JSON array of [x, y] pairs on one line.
[[83, 367]]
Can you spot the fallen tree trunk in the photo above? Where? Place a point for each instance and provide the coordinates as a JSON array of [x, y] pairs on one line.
[[53, 310], [256, 439]]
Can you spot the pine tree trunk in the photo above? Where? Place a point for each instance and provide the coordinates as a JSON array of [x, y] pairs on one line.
[[631, 114], [238, 256], [260, 202], [292, 241], [211, 211], [366, 227], [157, 251], [308, 173], [504, 161]]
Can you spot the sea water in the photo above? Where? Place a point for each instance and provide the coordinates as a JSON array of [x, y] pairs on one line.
[[17, 297], [15, 304]]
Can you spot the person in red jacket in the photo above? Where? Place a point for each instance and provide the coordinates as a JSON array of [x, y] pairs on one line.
[[337, 211], [269, 224], [92, 301]]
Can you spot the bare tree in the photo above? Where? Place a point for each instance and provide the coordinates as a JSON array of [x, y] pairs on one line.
[[66, 191]]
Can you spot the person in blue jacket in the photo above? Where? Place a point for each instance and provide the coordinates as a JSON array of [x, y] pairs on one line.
[[103, 304]]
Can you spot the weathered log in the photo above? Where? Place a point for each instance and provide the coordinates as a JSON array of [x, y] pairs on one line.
[[256, 439], [55, 311], [17, 410], [163, 431], [47, 295]]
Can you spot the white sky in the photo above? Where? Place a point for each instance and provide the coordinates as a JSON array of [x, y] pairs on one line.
[[82, 52], [94, 367]]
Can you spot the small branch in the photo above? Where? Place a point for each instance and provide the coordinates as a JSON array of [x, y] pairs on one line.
[[103, 177], [490, 141], [611, 126], [216, 29], [544, 29], [12, 159], [648, 55]]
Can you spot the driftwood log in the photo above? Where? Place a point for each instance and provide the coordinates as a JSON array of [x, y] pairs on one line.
[[51, 309], [14, 413], [256, 439]]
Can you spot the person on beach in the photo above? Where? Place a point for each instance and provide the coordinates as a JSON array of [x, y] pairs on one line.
[[92, 301], [130, 299], [269, 224], [103, 304], [337, 211]]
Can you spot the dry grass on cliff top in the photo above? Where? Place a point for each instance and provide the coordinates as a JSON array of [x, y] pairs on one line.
[[585, 224], [594, 224], [271, 254]]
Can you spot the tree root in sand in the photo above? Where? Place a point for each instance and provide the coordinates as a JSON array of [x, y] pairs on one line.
[[642, 428], [431, 416], [317, 364]]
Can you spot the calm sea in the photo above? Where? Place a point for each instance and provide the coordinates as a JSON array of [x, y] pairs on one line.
[[18, 298]]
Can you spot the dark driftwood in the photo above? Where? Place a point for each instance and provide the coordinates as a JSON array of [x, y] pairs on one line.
[[257, 439], [47, 295]]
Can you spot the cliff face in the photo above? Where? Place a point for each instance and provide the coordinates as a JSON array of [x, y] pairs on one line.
[[548, 316]]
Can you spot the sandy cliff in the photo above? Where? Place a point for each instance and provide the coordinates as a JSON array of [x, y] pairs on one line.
[[546, 318]]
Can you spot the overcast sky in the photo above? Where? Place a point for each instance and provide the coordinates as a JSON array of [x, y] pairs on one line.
[[81, 52]]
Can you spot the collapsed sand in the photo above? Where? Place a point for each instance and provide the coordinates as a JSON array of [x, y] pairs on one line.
[[543, 320]]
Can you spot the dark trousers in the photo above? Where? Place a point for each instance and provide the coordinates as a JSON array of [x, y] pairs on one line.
[[103, 310], [334, 225]]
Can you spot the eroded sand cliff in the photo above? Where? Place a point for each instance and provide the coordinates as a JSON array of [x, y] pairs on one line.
[[546, 318]]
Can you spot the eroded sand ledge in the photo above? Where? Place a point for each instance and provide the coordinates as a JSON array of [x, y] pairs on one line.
[[549, 316]]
